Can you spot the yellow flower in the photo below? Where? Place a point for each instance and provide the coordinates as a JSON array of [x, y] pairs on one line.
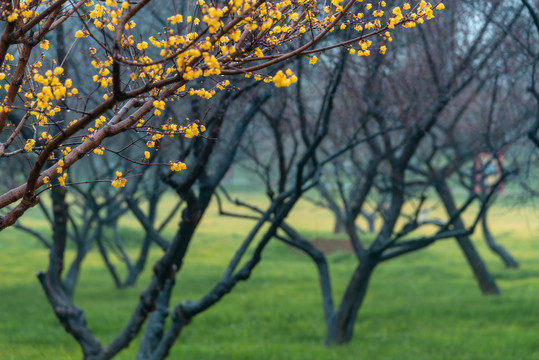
[[159, 104], [119, 181], [98, 150], [29, 144], [177, 166], [12, 17], [62, 179], [143, 45], [175, 19]]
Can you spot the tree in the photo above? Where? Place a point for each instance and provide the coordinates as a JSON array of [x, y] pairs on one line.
[[51, 122], [528, 44], [419, 107]]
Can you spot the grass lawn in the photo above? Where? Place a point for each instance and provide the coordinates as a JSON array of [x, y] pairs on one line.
[[422, 306]]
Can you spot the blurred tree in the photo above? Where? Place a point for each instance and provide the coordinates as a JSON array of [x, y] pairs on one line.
[[49, 121], [405, 108]]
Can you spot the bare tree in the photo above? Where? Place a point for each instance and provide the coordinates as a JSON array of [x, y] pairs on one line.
[[385, 163]]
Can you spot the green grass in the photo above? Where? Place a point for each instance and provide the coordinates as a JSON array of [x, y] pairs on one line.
[[422, 306]]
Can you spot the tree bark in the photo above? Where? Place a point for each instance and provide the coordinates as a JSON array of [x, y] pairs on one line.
[[341, 326], [332, 205], [156, 323], [70, 279]]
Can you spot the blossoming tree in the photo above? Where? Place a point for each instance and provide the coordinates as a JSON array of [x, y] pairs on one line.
[[50, 121]]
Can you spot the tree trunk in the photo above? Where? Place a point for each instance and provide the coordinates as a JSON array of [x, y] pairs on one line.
[[332, 205], [508, 260], [339, 226], [59, 231], [156, 323], [484, 278], [70, 280], [371, 219], [137, 269], [340, 328]]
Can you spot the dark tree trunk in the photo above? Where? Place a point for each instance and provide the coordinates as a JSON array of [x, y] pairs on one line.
[[70, 280], [156, 323], [332, 205], [506, 257], [137, 269], [371, 219], [341, 325], [484, 278], [321, 264], [110, 266], [339, 226], [59, 229]]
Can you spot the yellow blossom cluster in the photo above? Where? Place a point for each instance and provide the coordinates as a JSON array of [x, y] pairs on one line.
[[282, 79], [202, 93], [193, 130], [177, 166], [120, 181], [60, 168], [106, 16], [62, 179], [182, 50], [25, 11], [41, 101], [204, 42], [158, 105], [406, 14], [170, 129], [103, 77], [29, 145], [222, 85]]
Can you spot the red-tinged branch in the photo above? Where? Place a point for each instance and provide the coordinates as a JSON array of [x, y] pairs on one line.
[[15, 83], [5, 41], [36, 178]]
